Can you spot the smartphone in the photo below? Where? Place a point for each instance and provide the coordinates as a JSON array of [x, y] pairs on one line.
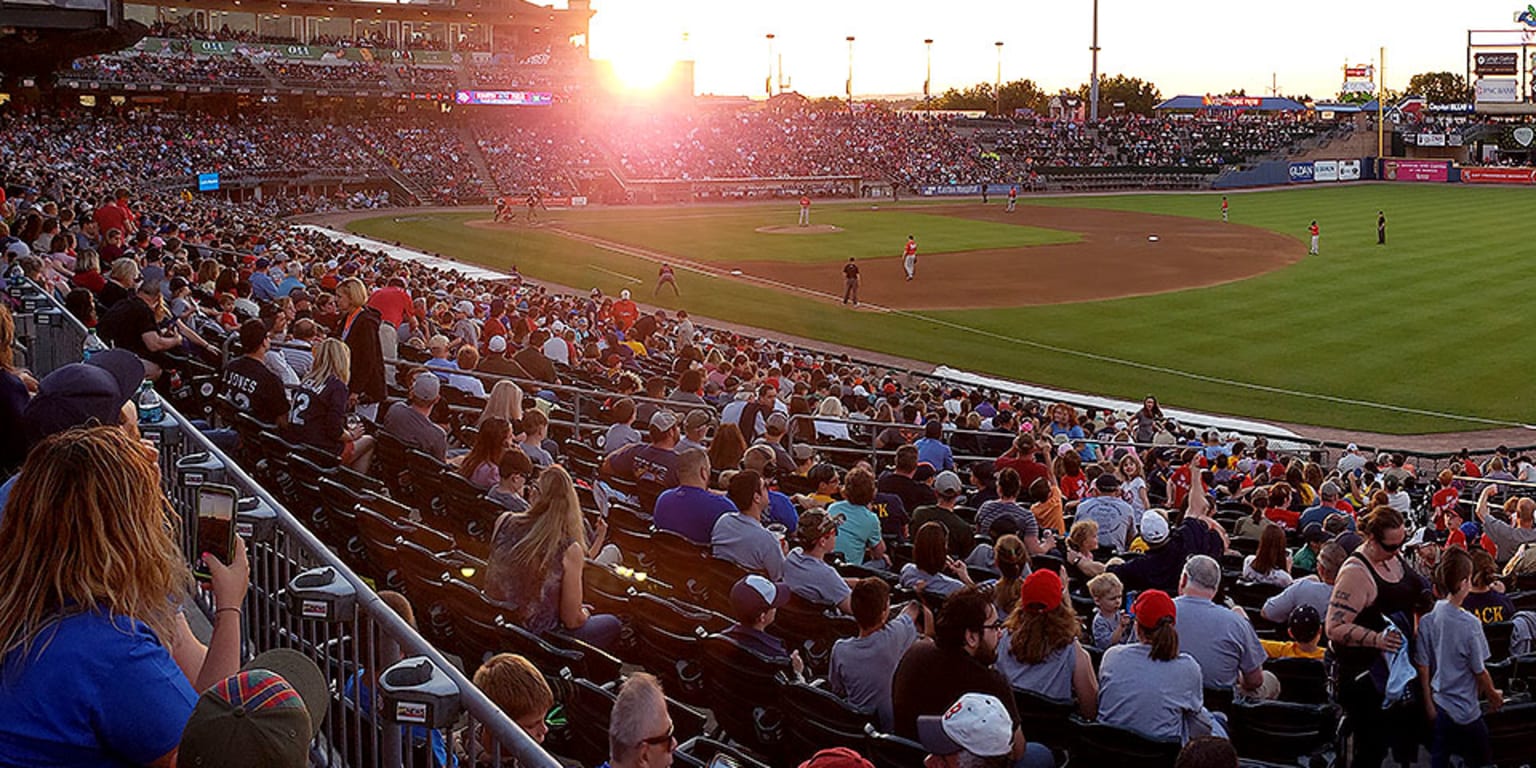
[[1130, 599], [215, 526]]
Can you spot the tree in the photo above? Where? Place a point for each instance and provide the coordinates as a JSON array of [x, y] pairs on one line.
[[1139, 96], [1016, 94], [1440, 87]]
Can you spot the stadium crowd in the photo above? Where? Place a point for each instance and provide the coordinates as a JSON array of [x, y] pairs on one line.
[[1000, 564]]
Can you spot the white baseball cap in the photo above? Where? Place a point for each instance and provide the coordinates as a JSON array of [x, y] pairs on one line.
[[624, 294], [1154, 527], [976, 723]]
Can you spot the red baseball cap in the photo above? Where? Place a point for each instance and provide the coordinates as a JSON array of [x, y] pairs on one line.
[[1151, 607], [836, 757], [1041, 591]]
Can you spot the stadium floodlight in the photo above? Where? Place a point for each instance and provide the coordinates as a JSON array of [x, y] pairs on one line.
[[768, 81], [997, 92], [928, 73], [1093, 77], [850, 72]]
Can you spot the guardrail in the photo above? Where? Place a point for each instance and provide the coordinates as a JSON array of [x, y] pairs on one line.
[[395, 700]]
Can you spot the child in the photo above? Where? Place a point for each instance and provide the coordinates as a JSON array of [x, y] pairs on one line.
[[1305, 628], [1450, 653], [1111, 625]]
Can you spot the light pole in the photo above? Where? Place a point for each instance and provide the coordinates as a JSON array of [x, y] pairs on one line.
[[928, 75], [768, 81], [1093, 79], [849, 84], [997, 91]]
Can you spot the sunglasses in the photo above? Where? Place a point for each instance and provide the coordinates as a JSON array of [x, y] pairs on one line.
[[1390, 547], [664, 739]]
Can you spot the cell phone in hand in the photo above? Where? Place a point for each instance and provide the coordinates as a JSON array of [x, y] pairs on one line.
[[215, 526], [1130, 599]]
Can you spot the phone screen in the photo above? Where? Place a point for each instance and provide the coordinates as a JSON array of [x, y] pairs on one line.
[[215, 525], [1130, 599]]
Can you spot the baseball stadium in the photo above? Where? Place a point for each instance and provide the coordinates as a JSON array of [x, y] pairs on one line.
[[640, 383]]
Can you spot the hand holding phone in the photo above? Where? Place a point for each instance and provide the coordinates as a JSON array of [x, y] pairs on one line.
[[215, 527]]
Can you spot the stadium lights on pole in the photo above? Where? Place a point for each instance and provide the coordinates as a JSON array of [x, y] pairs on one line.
[[768, 81], [1093, 79], [1381, 95], [997, 92], [850, 72], [928, 73]]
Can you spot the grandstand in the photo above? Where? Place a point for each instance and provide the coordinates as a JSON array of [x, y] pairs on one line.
[[404, 435]]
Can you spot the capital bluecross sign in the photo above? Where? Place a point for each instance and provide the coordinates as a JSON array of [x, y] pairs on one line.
[[207, 182], [1301, 172]]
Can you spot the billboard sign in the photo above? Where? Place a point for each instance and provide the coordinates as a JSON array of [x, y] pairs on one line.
[[1498, 89], [505, 98], [1416, 170], [1325, 170], [1349, 170], [1496, 63], [1498, 175], [207, 182], [1301, 172]]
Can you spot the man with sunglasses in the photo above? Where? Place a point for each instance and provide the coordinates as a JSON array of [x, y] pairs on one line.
[[640, 732]]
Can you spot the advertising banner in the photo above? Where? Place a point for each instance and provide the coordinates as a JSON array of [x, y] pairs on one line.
[[1498, 89], [1416, 170], [505, 98], [207, 182], [1325, 170], [1349, 170], [1498, 175], [1431, 140], [1496, 63], [1301, 172], [1518, 138]]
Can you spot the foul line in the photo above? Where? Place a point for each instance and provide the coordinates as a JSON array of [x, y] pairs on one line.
[[692, 266], [620, 275]]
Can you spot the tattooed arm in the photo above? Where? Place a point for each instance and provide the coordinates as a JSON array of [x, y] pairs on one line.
[[1352, 593]]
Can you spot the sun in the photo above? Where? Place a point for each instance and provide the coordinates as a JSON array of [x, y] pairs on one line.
[[641, 68]]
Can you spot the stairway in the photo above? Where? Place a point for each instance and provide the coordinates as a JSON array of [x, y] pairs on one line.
[[488, 180]]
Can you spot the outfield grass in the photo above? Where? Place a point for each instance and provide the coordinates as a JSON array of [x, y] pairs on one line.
[[1433, 321], [730, 234]]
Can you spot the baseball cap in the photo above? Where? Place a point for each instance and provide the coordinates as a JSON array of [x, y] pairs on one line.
[[1107, 483], [624, 294], [1154, 528], [947, 484], [696, 418], [426, 386], [265, 715], [466, 306], [1151, 607], [1314, 532], [815, 524], [1329, 489], [837, 757], [1303, 622], [1041, 591], [777, 422], [975, 723], [802, 451], [79, 393], [663, 421], [497, 344], [754, 594]]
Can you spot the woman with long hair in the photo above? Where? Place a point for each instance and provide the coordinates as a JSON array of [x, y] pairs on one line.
[[727, 448], [1487, 600], [319, 413], [536, 560], [504, 402], [931, 564], [1150, 687], [481, 466], [360, 330], [1272, 563], [1038, 649], [88, 272], [832, 408], [1146, 422], [1011, 558], [1252, 526], [92, 580]]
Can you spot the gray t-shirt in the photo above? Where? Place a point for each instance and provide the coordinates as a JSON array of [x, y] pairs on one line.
[[1308, 591], [745, 542], [619, 435], [1152, 698], [941, 584], [1104, 628], [1051, 677], [1452, 645], [1114, 517], [862, 667], [1223, 644], [814, 580], [416, 430]]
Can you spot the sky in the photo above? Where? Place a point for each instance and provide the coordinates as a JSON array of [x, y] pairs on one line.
[[1183, 46]]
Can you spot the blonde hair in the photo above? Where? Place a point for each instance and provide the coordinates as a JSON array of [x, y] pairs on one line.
[[1084, 535], [1104, 584], [124, 270], [332, 358], [831, 406], [555, 521], [505, 402], [353, 290], [7, 339], [115, 552]]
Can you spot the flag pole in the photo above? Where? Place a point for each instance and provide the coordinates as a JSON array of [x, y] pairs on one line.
[[1381, 94]]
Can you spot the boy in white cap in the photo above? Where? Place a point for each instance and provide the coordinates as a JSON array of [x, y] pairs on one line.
[[977, 732]]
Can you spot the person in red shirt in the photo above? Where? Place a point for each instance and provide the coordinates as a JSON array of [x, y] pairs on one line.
[[625, 313], [115, 214], [1013, 198], [1021, 457], [1313, 231], [805, 211], [1445, 499], [1223, 208]]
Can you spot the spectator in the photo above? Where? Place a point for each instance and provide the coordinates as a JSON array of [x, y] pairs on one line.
[[510, 491], [249, 384], [1162, 562], [319, 414], [1272, 563], [1487, 603], [90, 638], [781, 509], [690, 508], [1305, 628], [726, 450], [13, 394], [806, 572], [1220, 640], [1111, 623], [482, 465], [1020, 521], [858, 538], [411, 422], [640, 731], [1451, 655], [932, 566], [862, 667], [360, 330], [654, 462], [755, 602], [622, 432], [517, 687], [933, 674], [1207, 752], [901, 481], [504, 402], [1308, 590], [536, 560], [975, 731], [1040, 652], [961, 536], [1150, 687], [267, 714], [534, 429], [931, 449], [1116, 519], [1012, 561], [740, 536]]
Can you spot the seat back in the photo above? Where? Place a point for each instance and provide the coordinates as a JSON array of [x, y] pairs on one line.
[[812, 629], [815, 718], [1281, 731], [589, 707], [1512, 734], [701, 752], [1102, 744], [1044, 719], [739, 685], [1302, 681], [1498, 634], [887, 750]]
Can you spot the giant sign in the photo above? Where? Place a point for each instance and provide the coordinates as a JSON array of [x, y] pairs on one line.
[[1325, 170], [1496, 63], [1496, 175], [1301, 172], [1416, 170], [1498, 89], [505, 98], [1349, 170]]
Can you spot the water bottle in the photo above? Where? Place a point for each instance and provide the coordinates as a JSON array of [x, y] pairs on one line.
[[93, 344], [151, 410]]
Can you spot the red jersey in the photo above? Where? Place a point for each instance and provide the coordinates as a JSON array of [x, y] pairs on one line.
[[911, 249], [805, 202], [1223, 205], [393, 304], [625, 313], [1313, 229], [1013, 192]]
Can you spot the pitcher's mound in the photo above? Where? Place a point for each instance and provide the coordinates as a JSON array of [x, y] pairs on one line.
[[814, 229]]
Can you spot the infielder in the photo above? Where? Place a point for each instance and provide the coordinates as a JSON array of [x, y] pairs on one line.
[[805, 210], [1313, 230], [1223, 209], [909, 257], [851, 282], [1013, 198]]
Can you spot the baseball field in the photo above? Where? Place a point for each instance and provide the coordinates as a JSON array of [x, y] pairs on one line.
[[1428, 333]]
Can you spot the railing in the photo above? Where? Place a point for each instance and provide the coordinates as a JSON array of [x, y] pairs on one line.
[[303, 596]]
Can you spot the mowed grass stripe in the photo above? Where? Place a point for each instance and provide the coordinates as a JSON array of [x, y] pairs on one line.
[[1432, 321]]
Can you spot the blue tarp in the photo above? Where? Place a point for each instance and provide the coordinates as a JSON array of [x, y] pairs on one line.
[[1266, 104]]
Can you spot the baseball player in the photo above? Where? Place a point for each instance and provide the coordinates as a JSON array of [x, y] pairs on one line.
[[909, 257], [805, 210], [1223, 209], [1381, 227], [1013, 198], [851, 282], [665, 276], [1313, 230]]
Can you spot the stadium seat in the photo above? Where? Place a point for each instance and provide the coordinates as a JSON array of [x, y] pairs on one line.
[[888, 750], [1107, 745], [741, 688], [667, 642], [701, 752], [1512, 734], [1044, 719], [588, 707], [1283, 732], [815, 718], [1302, 681], [812, 629], [389, 463], [1498, 634]]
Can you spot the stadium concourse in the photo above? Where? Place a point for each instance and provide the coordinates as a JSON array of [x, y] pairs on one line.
[[561, 490]]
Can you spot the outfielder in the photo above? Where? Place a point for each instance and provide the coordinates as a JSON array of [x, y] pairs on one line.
[[1313, 230]]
